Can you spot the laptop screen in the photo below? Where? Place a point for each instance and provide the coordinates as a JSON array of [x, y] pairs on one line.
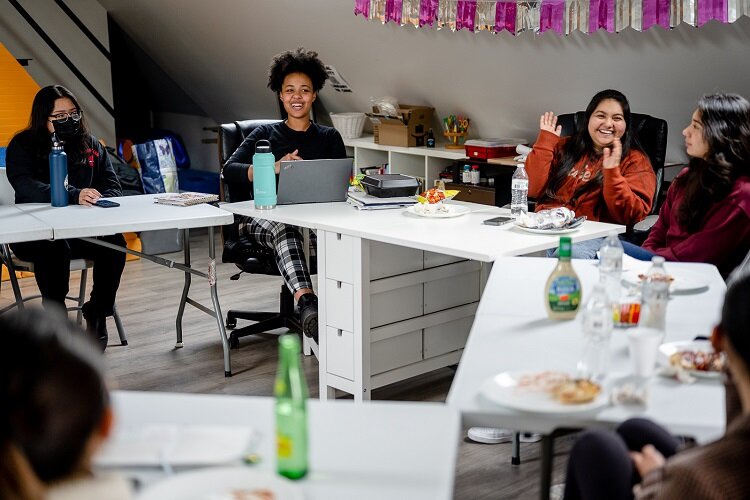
[[314, 181]]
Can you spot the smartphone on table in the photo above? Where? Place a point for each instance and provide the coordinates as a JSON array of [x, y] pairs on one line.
[[498, 221], [106, 203]]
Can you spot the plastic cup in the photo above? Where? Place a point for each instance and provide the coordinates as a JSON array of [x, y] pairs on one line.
[[644, 344]]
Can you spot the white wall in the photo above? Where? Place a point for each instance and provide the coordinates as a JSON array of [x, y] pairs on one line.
[[47, 69], [219, 52]]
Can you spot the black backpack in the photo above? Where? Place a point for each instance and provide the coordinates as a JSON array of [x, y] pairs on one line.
[[130, 178]]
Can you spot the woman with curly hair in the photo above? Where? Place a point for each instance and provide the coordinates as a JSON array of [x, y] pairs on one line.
[[296, 77], [706, 216], [600, 172]]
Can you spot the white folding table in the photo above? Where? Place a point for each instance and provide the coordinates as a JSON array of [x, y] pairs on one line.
[[140, 213], [398, 292], [511, 332], [380, 450]]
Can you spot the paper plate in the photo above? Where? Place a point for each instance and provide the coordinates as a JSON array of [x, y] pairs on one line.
[[684, 282], [503, 390], [666, 350], [562, 230], [453, 211], [219, 483]]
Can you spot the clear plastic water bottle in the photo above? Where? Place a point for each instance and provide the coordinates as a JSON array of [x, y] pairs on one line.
[[596, 321], [58, 174], [519, 191], [655, 296], [610, 266], [264, 176]]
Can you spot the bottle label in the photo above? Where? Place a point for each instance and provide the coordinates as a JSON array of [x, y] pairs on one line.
[[284, 445], [519, 184], [564, 294]]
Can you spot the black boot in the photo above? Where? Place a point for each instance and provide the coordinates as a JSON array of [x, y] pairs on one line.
[[96, 327], [307, 305]]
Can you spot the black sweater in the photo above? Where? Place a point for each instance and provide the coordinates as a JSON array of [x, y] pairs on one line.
[[28, 172], [316, 143]]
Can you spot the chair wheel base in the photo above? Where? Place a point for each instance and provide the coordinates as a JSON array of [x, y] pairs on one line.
[[178, 345], [231, 324], [227, 374], [234, 342]]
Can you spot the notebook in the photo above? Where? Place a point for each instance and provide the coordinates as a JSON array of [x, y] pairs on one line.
[[186, 199], [314, 181]]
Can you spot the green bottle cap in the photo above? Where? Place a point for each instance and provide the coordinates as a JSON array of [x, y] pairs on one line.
[[291, 342], [565, 247]]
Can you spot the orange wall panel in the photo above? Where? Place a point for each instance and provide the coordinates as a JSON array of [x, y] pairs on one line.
[[17, 91]]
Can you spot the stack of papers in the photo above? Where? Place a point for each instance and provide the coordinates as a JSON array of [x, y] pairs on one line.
[[186, 199], [364, 201]]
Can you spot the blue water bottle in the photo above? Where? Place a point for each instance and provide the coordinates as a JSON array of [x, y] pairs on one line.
[[264, 176], [58, 174]]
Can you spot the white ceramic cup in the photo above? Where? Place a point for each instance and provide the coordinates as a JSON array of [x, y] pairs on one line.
[[644, 344]]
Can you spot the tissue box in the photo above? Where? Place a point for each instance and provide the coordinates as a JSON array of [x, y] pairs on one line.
[[491, 148]]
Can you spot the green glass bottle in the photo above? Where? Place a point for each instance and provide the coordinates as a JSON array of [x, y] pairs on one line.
[[290, 390]]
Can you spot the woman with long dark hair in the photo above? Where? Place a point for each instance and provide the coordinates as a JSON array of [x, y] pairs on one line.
[[55, 110], [600, 172], [295, 77], [706, 216]]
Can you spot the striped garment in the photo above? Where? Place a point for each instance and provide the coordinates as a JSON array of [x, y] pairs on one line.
[[287, 245]]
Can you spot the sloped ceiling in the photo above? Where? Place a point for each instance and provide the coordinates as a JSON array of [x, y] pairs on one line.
[[219, 52]]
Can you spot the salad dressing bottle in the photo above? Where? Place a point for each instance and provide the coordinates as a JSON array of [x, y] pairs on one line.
[[562, 293]]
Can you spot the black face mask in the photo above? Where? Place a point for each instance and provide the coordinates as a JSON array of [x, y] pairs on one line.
[[67, 130]]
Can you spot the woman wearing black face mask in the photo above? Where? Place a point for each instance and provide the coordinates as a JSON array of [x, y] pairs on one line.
[[90, 176]]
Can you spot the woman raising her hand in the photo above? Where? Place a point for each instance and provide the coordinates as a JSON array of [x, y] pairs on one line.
[[600, 172]]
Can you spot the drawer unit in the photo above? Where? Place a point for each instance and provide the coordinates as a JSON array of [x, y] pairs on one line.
[[339, 305], [390, 260], [452, 291], [432, 259], [339, 255], [446, 337], [396, 352], [396, 305], [340, 352], [476, 194]]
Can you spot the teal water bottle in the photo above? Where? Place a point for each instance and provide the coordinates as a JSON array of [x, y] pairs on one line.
[[264, 176], [290, 390], [58, 174]]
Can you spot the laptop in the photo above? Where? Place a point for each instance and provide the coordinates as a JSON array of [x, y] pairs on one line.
[[314, 181]]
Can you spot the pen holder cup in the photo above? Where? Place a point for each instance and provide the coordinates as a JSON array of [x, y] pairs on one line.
[[455, 139]]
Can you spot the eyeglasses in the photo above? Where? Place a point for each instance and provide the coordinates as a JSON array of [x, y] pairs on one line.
[[63, 117]]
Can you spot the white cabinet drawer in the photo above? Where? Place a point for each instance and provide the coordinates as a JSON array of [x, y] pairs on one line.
[[432, 259], [396, 305], [339, 305], [446, 337], [391, 260], [450, 292], [396, 352], [340, 352], [339, 257]]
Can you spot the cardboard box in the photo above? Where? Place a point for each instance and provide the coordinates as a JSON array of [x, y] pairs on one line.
[[409, 129]]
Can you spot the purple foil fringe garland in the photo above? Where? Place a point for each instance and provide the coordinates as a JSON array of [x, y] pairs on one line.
[[466, 11], [552, 13]]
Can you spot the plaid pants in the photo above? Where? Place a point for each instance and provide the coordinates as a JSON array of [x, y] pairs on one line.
[[287, 245]]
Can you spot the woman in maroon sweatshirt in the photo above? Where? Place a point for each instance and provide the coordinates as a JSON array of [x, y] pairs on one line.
[[706, 216]]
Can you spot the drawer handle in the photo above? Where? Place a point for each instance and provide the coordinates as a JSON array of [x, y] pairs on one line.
[[338, 284], [340, 332], [338, 236]]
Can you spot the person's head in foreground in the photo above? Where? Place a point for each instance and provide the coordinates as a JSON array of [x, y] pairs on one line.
[[56, 406]]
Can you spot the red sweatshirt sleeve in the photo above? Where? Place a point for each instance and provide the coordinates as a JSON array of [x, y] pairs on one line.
[[538, 162], [628, 190]]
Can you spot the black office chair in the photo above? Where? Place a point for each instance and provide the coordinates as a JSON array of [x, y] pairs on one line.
[[246, 256], [651, 133]]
